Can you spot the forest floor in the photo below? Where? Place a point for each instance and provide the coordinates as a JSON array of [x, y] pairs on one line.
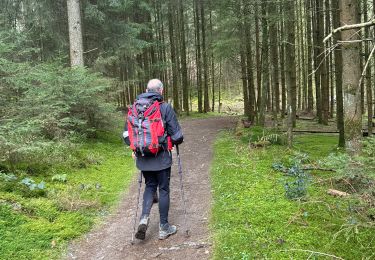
[[260, 212], [111, 240]]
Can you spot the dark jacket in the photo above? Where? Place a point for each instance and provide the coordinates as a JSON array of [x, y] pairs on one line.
[[163, 159]]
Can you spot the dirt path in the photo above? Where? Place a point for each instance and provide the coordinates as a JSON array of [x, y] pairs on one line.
[[112, 239]]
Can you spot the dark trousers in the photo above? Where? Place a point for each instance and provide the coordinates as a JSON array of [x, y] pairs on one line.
[[153, 180]]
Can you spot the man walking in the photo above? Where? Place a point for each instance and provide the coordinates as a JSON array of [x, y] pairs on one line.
[[155, 165]]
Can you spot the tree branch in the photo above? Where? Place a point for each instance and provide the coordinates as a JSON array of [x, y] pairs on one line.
[[355, 41], [349, 27], [366, 65], [90, 50]]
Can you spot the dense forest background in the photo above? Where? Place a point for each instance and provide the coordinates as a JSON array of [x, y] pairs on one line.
[[293, 72], [270, 55]]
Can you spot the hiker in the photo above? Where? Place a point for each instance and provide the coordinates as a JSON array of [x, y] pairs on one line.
[[154, 162]]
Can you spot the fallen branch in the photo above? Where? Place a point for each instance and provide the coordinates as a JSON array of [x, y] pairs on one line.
[[309, 169], [314, 253], [194, 245], [337, 193], [349, 27], [318, 169]]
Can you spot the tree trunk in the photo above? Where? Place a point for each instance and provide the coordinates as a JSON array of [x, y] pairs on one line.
[[206, 104], [184, 72], [368, 73], [75, 33], [282, 62], [324, 68], [172, 40], [328, 29], [338, 71], [299, 54], [257, 57], [317, 59], [351, 74], [303, 57], [212, 61], [198, 56], [373, 13], [244, 83], [310, 95], [291, 69], [274, 58], [249, 61], [219, 88], [265, 66], [291, 65]]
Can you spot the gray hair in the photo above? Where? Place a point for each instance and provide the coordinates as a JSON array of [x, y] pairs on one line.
[[155, 85]]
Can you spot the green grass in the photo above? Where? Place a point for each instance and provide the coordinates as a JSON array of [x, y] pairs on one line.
[[316, 145], [40, 227], [252, 218]]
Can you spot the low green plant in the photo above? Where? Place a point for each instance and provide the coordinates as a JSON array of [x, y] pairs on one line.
[[296, 188], [297, 179], [7, 177], [7, 182], [60, 178], [32, 185]]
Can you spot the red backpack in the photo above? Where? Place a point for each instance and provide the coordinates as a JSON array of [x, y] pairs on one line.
[[147, 134]]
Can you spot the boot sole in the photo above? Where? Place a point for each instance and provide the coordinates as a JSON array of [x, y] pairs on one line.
[[141, 233]]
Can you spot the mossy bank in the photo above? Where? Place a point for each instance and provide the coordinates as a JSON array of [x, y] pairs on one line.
[[75, 197], [253, 219]]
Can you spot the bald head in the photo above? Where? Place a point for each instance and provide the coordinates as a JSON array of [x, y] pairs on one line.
[[155, 85]]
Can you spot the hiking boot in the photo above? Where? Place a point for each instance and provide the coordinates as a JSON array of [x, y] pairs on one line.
[[142, 227], [155, 198], [166, 230]]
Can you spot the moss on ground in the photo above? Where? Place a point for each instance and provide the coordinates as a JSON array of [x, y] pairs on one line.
[[40, 227], [252, 218]]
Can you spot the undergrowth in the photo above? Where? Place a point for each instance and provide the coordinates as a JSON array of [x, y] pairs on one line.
[[37, 222], [253, 217]]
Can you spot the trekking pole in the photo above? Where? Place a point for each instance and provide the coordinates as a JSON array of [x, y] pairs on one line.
[[182, 189], [136, 211]]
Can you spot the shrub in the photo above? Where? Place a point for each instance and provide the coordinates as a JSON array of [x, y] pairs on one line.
[[361, 166], [356, 175], [45, 107]]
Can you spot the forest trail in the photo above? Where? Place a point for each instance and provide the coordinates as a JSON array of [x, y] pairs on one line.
[[111, 240]]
